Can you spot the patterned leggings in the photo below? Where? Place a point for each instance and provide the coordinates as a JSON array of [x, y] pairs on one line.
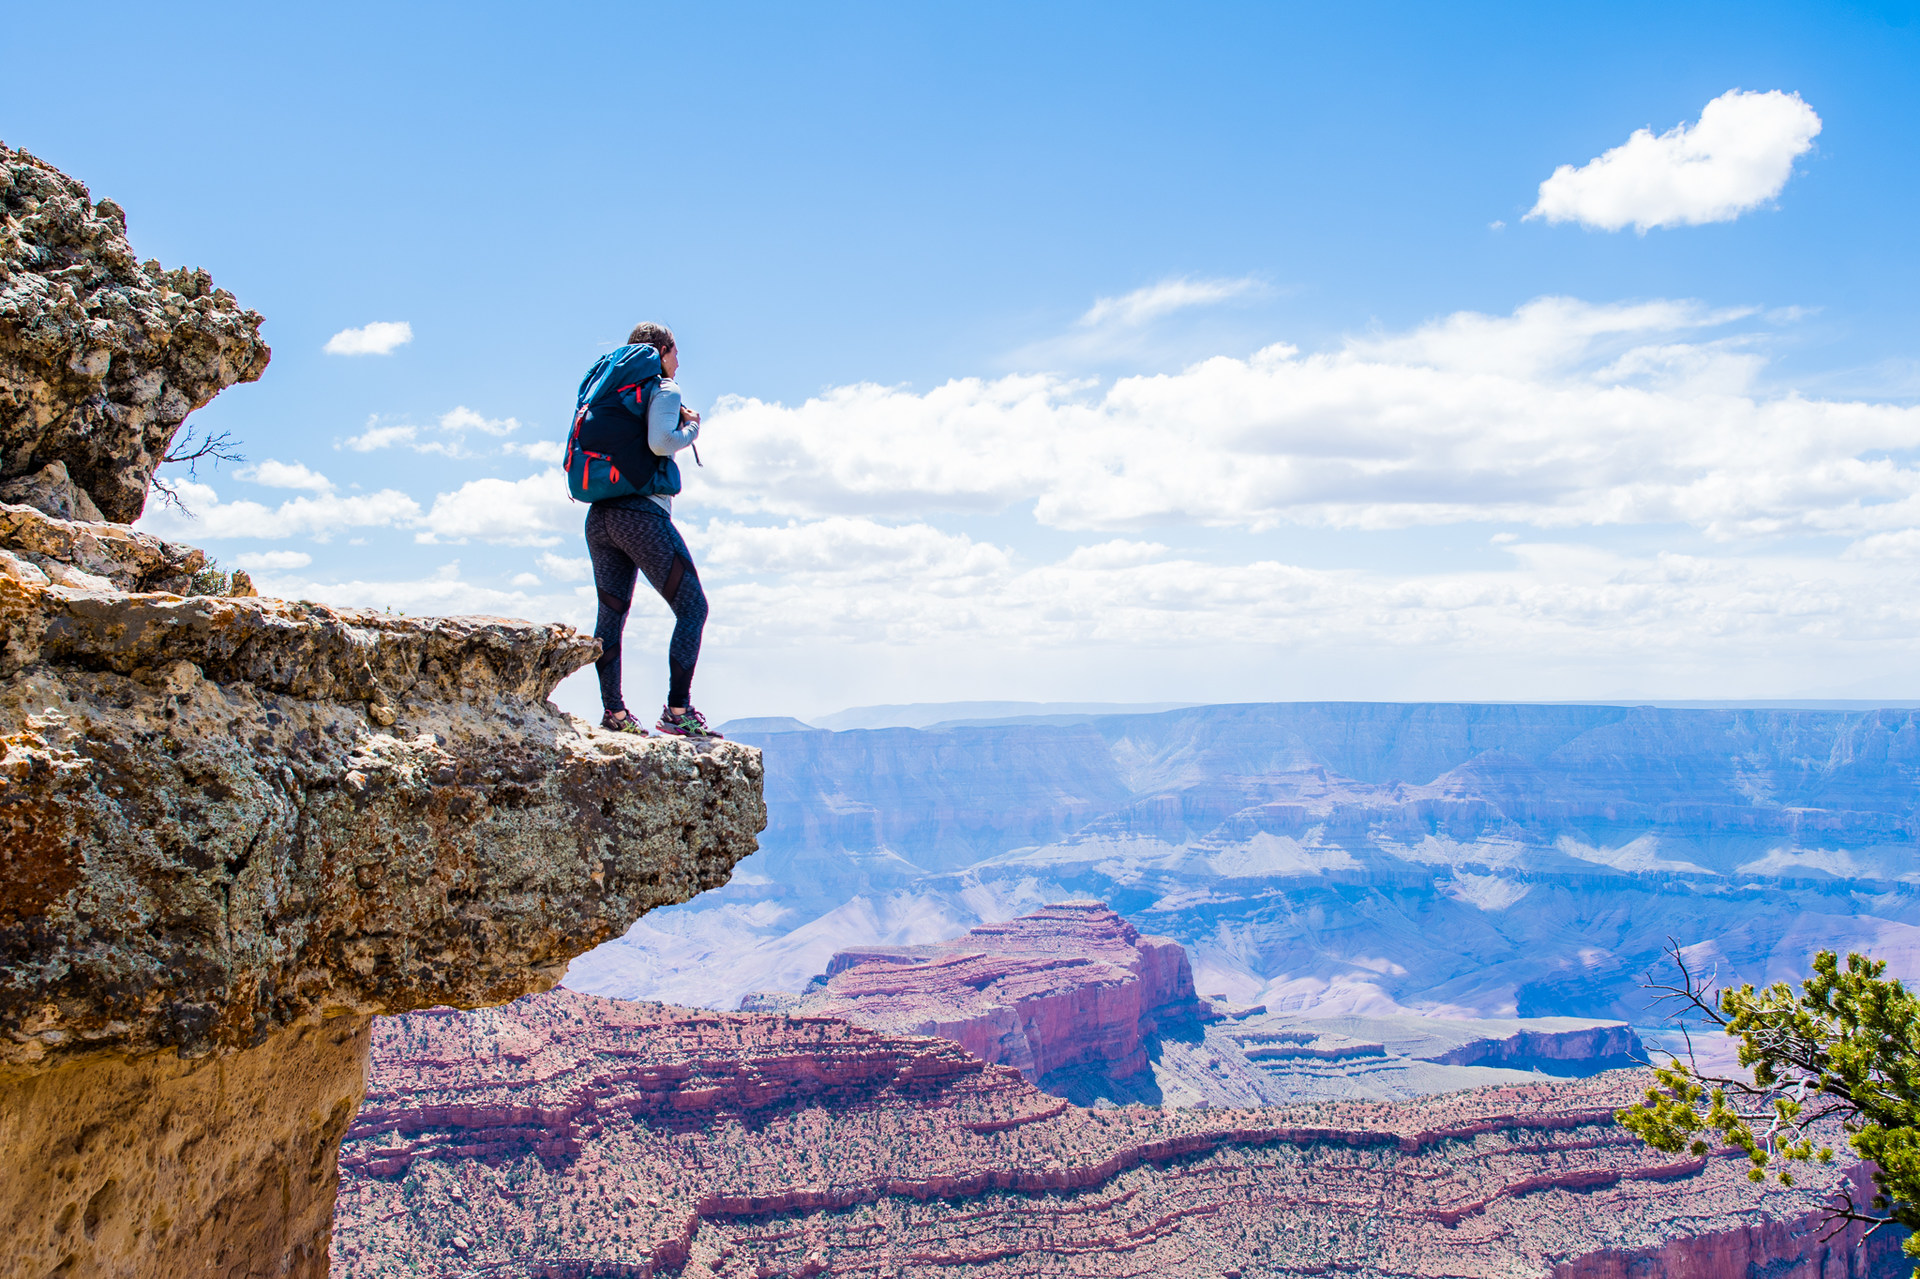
[[627, 541]]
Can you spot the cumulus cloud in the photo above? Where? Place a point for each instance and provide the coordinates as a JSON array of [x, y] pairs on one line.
[[460, 419], [319, 516], [1563, 414], [453, 426], [377, 436], [445, 591], [286, 475], [566, 568], [1736, 157], [535, 511], [854, 549], [831, 581], [272, 561], [551, 452], [382, 337]]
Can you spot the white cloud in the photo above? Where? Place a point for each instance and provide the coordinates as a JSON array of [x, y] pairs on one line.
[[455, 422], [1737, 157], [318, 517], [1561, 415], [1118, 553], [1155, 300], [272, 561], [381, 437], [286, 475], [444, 592], [382, 337], [564, 568], [851, 582], [848, 549], [461, 418], [551, 452], [526, 579], [534, 511]]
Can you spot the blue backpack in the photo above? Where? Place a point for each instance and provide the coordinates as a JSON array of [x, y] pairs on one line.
[[607, 450]]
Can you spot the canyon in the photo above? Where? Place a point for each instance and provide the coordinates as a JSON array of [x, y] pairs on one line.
[[286, 893], [568, 1135], [1081, 1004], [1335, 859], [235, 830], [1072, 985]]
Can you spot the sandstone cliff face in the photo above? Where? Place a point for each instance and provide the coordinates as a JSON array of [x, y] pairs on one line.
[[566, 1135], [1070, 986], [101, 357], [234, 829]]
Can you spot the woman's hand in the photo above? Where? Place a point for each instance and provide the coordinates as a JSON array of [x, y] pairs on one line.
[[688, 415]]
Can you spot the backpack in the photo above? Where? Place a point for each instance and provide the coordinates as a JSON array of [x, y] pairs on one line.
[[607, 450]]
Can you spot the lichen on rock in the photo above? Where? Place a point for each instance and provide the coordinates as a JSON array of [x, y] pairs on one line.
[[232, 831], [102, 357]]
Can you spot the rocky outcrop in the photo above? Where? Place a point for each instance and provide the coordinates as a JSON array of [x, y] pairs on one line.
[[1810, 1247], [568, 1135], [101, 356], [232, 831], [1070, 986], [36, 549]]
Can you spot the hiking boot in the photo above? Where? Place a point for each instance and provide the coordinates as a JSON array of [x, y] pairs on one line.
[[622, 721], [688, 723]]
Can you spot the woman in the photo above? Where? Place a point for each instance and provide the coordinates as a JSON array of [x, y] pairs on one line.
[[634, 534]]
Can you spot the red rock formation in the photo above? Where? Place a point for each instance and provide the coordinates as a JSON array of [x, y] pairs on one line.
[[1070, 985], [566, 1135]]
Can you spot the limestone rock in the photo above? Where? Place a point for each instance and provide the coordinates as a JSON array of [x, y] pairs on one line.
[[234, 829], [159, 1166], [52, 490], [128, 560], [101, 357]]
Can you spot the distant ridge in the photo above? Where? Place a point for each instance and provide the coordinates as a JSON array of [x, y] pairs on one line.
[[927, 714], [768, 724], [938, 715]]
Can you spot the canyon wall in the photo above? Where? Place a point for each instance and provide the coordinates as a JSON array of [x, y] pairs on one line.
[[566, 1135], [234, 830], [1335, 859], [1070, 985]]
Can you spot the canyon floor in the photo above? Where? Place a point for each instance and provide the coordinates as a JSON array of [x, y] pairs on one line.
[[572, 1136]]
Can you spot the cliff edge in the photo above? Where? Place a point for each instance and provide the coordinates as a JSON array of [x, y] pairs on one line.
[[235, 830]]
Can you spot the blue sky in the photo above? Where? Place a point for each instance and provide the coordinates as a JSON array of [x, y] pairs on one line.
[[1687, 478]]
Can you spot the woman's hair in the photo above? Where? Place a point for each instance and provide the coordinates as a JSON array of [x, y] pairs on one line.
[[657, 336]]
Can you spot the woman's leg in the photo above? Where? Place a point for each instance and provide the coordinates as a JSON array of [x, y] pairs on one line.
[[651, 542], [688, 600], [613, 574]]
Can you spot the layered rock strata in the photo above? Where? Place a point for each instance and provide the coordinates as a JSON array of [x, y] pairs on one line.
[[232, 830], [566, 1135], [1070, 986], [101, 356]]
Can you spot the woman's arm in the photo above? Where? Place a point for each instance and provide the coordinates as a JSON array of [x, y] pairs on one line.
[[669, 429]]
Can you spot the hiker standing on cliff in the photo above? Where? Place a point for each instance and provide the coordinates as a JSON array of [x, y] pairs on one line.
[[628, 424]]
